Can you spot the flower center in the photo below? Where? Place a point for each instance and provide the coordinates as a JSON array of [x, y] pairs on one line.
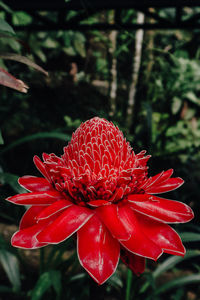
[[97, 164]]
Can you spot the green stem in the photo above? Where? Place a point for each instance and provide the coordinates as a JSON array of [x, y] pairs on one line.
[[128, 284]]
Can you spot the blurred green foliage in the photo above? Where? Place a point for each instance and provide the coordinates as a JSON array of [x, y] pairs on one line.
[[166, 122]]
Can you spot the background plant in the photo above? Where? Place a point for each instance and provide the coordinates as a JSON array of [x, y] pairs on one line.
[[165, 122]]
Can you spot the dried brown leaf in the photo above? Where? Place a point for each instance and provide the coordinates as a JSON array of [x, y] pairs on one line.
[[24, 60], [8, 80]]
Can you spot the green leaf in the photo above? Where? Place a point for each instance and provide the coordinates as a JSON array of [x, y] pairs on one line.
[[43, 284], [1, 139], [176, 105], [56, 281], [12, 180], [192, 97], [172, 261], [11, 267], [4, 26], [41, 135], [6, 7], [190, 236], [79, 43], [178, 283]]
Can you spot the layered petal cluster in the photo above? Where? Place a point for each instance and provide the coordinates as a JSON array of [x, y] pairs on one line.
[[100, 190]]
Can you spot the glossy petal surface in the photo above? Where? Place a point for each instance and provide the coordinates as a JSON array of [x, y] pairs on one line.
[[98, 251], [110, 217], [134, 262], [26, 238], [139, 243], [71, 220], [29, 217], [36, 198], [41, 167], [54, 208], [165, 210], [165, 186], [35, 184], [162, 235]]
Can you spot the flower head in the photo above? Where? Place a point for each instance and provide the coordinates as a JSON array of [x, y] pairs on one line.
[[100, 189]]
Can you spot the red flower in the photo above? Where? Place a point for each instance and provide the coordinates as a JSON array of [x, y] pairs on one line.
[[100, 190]]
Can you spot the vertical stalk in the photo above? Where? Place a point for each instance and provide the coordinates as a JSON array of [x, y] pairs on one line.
[[128, 284], [135, 70]]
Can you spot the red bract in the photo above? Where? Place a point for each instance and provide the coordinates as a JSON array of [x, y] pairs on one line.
[[100, 189]]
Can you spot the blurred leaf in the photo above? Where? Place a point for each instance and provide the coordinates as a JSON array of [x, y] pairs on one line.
[[12, 180], [172, 261], [177, 283], [56, 281], [1, 139], [50, 43], [8, 80], [176, 105], [4, 26], [192, 97], [5, 289], [23, 60], [6, 7], [11, 267], [115, 281], [43, 284], [79, 44], [41, 135], [46, 280], [190, 236]]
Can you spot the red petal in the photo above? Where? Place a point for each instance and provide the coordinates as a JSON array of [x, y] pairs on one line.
[[165, 210], [41, 167], [110, 217], [161, 234], [165, 186], [26, 238], [36, 198], [134, 262], [97, 203], [35, 184], [98, 251], [139, 243], [53, 208], [71, 220], [161, 177], [29, 218]]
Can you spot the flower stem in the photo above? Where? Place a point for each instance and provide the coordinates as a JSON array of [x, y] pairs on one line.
[[128, 284]]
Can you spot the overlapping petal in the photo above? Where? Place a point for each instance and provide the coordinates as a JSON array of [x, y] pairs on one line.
[[110, 217], [35, 184], [161, 234], [29, 217], [162, 183], [168, 211], [139, 243], [134, 262], [98, 251], [36, 198], [41, 167], [54, 208], [26, 238], [71, 220]]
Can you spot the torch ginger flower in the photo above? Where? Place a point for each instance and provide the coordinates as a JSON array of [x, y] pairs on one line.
[[100, 189]]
